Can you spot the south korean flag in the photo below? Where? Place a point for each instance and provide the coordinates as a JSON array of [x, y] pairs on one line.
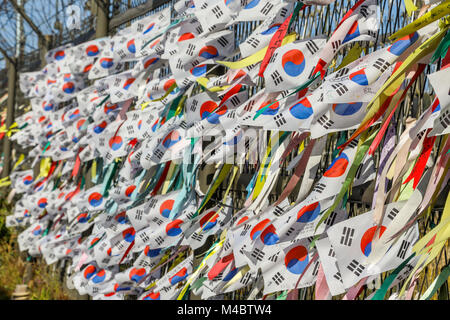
[[105, 65], [282, 269], [352, 241], [120, 87], [252, 10], [261, 36], [361, 25], [441, 87], [327, 257], [292, 64], [215, 15]]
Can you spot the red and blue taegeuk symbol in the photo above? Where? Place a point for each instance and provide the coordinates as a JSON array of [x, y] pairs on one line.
[[75, 114], [95, 199], [359, 77], [296, 259], [293, 62], [89, 271], [207, 108], [115, 143], [435, 106], [272, 109], [83, 217], [100, 276], [100, 127], [118, 288], [352, 33], [258, 229], [92, 50], [272, 29], [136, 274], [252, 4], [199, 70], [152, 296], [400, 46], [186, 36], [80, 124], [151, 253], [179, 276], [347, 109], [129, 190], [308, 213], [129, 234], [121, 217], [109, 108], [106, 63], [269, 235], [131, 46], [171, 139], [149, 28], [47, 106], [337, 167], [128, 83], [173, 228], [87, 68], [208, 52], [209, 221], [150, 61], [37, 231], [59, 55], [166, 207], [366, 239], [27, 180], [302, 109], [68, 87], [42, 203]]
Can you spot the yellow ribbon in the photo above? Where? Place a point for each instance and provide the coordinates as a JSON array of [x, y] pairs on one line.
[[172, 87], [434, 14], [5, 182], [19, 161], [204, 83], [256, 57], [10, 130]]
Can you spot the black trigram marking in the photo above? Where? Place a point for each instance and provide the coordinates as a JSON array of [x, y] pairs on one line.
[[241, 251], [223, 42], [94, 289], [283, 12], [121, 54], [353, 144], [108, 156], [372, 33], [257, 254], [204, 6], [130, 129], [234, 101], [183, 124], [246, 278], [199, 29], [364, 11], [381, 65], [152, 203], [159, 240], [267, 8], [218, 277], [319, 188], [179, 64], [197, 237], [231, 114], [248, 107], [144, 237], [247, 227], [312, 46], [273, 58], [253, 42], [158, 153], [330, 220], [278, 211], [185, 83], [212, 27], [338, 276], [342, 72], [276, 77], [316, 268], [278, 278], [336, 45], [325, 122], [119, 245], [391, 215], [444, 119], [190, 215], [227, 245], [193, 106], [274, 257], [217, 12], [347, 236], [340, 88], [356, 267], [290, 231], [157, 221], [420, 134], [331, 253], [280, 120], [403, 248], [198, 126]]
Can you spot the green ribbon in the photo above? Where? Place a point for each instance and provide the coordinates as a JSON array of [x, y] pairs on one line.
[[442, 48], [437, 283]]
